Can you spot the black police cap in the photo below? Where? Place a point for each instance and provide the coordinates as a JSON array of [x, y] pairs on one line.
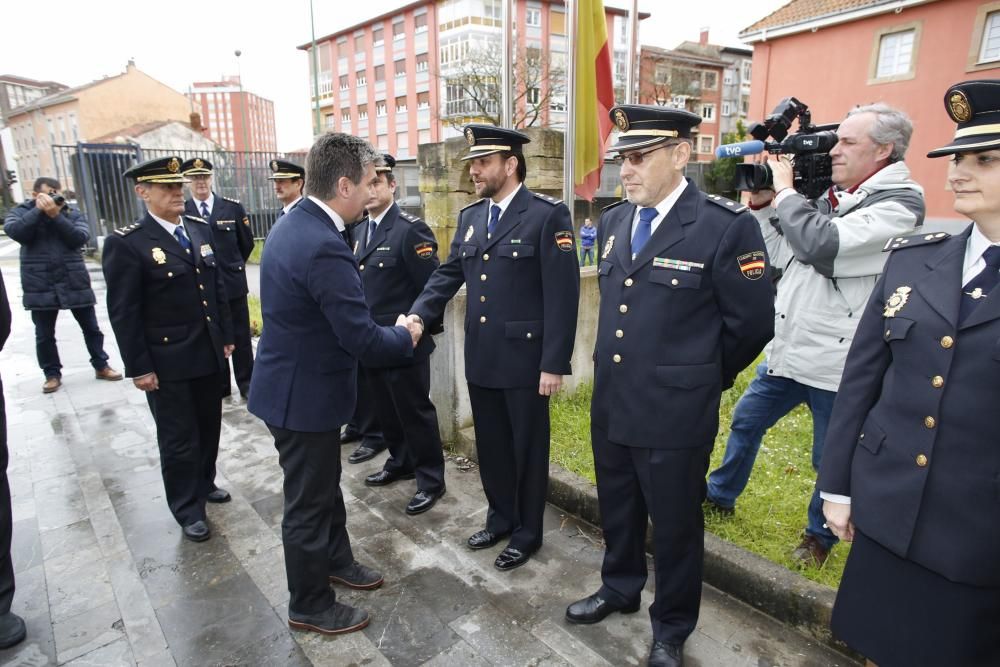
[[975, 106], [388, 162], [159, 170], [644, 125], [285, 169], [196, 166], [488, 139]]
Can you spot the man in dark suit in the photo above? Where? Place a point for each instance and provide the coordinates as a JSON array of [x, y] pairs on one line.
[[233, 243], [685, 306], [316, 327], [397, 253], [168, 308], [515, 252]]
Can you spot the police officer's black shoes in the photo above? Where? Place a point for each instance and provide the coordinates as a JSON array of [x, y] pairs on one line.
[[510, 558], [484, 539], [423, 501], [357, 576], [386, 477], [12, 630], [366, 451], [218, 496], [197, 531], [337, 620], [663, 654], [349, 435], [594, 609]]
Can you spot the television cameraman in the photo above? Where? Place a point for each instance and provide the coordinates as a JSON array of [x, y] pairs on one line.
[[829, 251]]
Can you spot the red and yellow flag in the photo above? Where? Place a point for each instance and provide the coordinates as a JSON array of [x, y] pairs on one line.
[[595, 95]]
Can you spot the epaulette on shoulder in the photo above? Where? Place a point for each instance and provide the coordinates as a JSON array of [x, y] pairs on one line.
[[125, 231], [547, 199], [727, 204], [470, 205], [195, 218], [611, 206], [235, 201], [914, 240], [409, 218]]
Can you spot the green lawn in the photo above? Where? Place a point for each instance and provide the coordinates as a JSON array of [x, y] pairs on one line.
[[256, 320], [771, 512], [258, 248]]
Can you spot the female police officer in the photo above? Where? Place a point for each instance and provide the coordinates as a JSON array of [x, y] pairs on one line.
[[911, 466]]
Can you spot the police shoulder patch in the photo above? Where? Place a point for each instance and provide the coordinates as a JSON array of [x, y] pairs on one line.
[[235, 201], [914, 240], [472, 204], [611, 206], [547, 199], [125, 231], [409, 218], [424, 250], [564, 240], [727, 204], [195, 218]]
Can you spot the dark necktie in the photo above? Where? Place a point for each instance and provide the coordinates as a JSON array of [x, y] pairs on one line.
[[182, 238], [981, 284], [644, 230], [494, 219], [371, 230], [204, 210]]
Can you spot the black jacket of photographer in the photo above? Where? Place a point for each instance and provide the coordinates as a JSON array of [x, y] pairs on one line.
[[53, 273]]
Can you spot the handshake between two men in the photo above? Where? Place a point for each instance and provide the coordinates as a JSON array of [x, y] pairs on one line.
[[413, 324]]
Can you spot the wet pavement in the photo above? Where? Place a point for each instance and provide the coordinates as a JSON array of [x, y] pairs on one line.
[[105, 578]]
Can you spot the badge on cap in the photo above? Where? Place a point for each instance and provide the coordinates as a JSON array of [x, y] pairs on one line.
[[752, 264], [621, 120], [468, 234], [564, 241], [424, 250], [158, 256], [897, 301], [274, 165], [958, 107], [174, 166], [470, 136], [198, 164], [608, 246]]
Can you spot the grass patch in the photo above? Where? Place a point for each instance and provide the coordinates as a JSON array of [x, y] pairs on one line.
[[256, 319], [258, 249], [771, 512]]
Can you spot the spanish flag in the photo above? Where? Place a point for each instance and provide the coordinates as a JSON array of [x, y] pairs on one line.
[[595, 95]]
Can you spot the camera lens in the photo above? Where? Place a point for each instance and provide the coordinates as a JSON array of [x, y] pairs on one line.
[[753, 177]]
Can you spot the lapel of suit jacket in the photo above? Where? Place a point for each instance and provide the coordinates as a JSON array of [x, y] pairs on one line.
[[941, 286], [381, 232], [621, 226], [475, 216], [670, 231], [511, 218], [989, 308], [166, 241], [309, 207]]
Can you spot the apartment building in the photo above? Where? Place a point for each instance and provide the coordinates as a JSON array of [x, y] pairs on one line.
[[234, 118]]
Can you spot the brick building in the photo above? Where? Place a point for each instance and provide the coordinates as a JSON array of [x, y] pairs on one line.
[[224, 105]]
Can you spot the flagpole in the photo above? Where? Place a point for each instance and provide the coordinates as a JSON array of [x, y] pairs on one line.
[[633, 49], [569, 137], [506, 71]]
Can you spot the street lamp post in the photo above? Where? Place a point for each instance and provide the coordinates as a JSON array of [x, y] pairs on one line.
[[243, 114]]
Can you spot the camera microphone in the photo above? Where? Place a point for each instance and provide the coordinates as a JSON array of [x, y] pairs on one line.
[[742, 148]]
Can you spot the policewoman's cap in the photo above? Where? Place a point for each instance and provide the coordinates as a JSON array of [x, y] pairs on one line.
[[644, 125], [196, 166], [488, 139], [388, 162], [285, 169], [161, 170], [975, 106]]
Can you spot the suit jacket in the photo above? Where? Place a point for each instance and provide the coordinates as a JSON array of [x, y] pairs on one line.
[[913, 438], [168, 307], [523, 289], [677, 324], [395, 266], [233, 241], [316, 326]]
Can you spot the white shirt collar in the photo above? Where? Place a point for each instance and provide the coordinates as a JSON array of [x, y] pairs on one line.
[[337, 220], [974, 249], [662, 209], [505, 202], [286, 209], [381, 215], [169, 226], [210, 202]]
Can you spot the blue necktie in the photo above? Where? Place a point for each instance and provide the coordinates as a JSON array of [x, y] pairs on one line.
[[644, 230], [182, 238], [204, 210], [371, 229], [982, 284], [494, 219]]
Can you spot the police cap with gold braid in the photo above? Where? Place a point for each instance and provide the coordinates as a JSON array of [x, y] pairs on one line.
[[196, 167], [386, 164], [160, 170], [975, 106], [285, 169], [488, 139], [642, 125]]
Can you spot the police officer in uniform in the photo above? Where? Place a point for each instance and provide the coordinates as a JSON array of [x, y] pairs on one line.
[[289, 179], [685, 306], [515, 252], [168, 308], [396, 254], [233, 243]]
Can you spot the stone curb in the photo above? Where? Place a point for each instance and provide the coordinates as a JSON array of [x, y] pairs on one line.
[[766, 586]]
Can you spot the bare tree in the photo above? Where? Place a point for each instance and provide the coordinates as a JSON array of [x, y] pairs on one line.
[[665, 79]]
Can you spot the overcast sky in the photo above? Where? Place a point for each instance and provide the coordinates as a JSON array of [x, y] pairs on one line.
[[74, 42]]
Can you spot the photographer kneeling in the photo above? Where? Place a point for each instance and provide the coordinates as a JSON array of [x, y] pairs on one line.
[[830, 253]]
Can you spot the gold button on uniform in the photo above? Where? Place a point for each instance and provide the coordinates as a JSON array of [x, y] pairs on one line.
[[166, 340], [486, 257], [675, 282], [619, 333], [362, 267], [482, 299], [482, 318], [205, 303], [921, 460], [937, 381], [623, 308], [514, 254], [528, 335], [208, 318], [483, 277], [617, 358], [929, 422], [380, 265], [197, 270], [201, 286], [170, 274], [947, 342], [628, 282]]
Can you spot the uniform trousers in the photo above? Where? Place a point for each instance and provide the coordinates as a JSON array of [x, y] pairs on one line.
[[401, 399], [635, 484], [512, 443], [188, 416], [6, 517], [45, 339], [364, 420], [242, 356], [314, 526]]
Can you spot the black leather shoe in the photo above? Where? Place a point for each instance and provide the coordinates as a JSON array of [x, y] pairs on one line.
[[594, 609], [386, 477], [12, 630], [366, 451], [197, 531], [666, 655], [510, 558], [218, 496], [337, 620], [423, 501], [357, 576], [349, 435], [484, 539]]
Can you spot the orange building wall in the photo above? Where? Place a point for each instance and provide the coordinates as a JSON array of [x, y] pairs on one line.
[[829, 70]]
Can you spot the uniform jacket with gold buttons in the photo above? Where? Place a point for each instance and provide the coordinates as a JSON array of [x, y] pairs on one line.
[[677, 324], [523, 288], [168, 307], [232, 240], [914, 438]]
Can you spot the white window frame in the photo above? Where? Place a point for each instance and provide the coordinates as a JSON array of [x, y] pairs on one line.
[[708, 112]]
